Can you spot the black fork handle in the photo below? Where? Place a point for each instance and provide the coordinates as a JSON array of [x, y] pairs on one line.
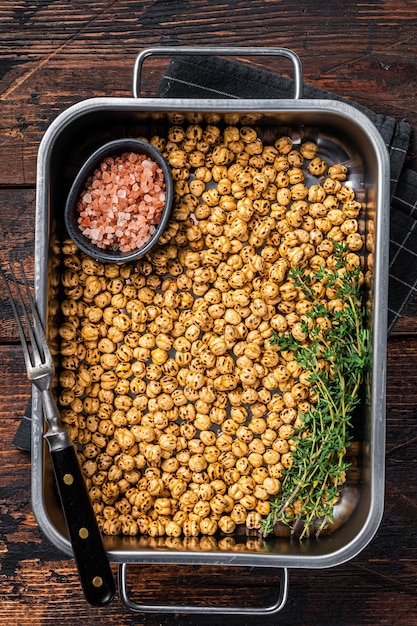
[[90, 556]]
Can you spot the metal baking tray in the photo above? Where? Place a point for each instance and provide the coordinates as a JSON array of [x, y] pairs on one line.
[[345, 135]]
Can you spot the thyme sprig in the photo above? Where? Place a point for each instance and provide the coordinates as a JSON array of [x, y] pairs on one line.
[[335, 354]]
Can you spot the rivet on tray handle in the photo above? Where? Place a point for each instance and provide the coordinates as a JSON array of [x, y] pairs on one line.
[[218, 51], [197, 609], [93, 565]]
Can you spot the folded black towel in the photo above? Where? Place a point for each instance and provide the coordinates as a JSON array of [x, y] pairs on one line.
[[207, 76]]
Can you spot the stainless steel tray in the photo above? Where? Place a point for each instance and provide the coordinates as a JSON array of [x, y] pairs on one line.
[[345, 135]]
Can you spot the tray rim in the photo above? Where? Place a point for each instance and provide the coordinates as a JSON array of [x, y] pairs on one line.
[[377, 434]]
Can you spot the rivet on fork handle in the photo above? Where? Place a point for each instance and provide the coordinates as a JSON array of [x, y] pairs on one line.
[[93, 566]]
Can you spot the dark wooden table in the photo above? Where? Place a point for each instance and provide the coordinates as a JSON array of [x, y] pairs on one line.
[[53, 54]]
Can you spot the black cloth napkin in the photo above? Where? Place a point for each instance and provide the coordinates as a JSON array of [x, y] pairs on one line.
[[213, 77]]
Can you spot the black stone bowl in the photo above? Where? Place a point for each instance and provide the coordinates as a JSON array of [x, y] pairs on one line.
[[71, 214]]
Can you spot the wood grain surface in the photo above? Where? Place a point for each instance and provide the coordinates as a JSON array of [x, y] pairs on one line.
[[56, 53]]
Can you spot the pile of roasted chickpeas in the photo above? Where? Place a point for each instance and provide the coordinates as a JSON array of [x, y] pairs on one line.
[[181, 409]]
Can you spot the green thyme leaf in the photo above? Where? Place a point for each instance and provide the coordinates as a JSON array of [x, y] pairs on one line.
[[310, 486]]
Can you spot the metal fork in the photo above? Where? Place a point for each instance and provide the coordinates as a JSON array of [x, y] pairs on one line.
[[89, 553]]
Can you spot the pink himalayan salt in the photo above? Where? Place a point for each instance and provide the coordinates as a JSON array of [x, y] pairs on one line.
[[122, 202]]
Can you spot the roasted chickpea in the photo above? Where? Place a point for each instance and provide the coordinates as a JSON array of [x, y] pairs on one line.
[[169, 381]]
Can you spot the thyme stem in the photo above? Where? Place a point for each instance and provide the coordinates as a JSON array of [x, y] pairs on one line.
[[310, 486]]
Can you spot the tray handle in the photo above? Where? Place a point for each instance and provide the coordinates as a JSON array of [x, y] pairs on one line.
[[219, 51], [199, 609]]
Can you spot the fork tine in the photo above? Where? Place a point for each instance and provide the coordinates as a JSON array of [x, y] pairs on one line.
[[37, 334], [22, 335], [37, 351]]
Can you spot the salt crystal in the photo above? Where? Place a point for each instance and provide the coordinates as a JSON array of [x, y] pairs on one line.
[[120, 202]]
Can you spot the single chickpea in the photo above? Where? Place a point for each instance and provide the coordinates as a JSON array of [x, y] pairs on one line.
[[337, 172], [354, 241], [226, 524], [317, 166], [284, 145]]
